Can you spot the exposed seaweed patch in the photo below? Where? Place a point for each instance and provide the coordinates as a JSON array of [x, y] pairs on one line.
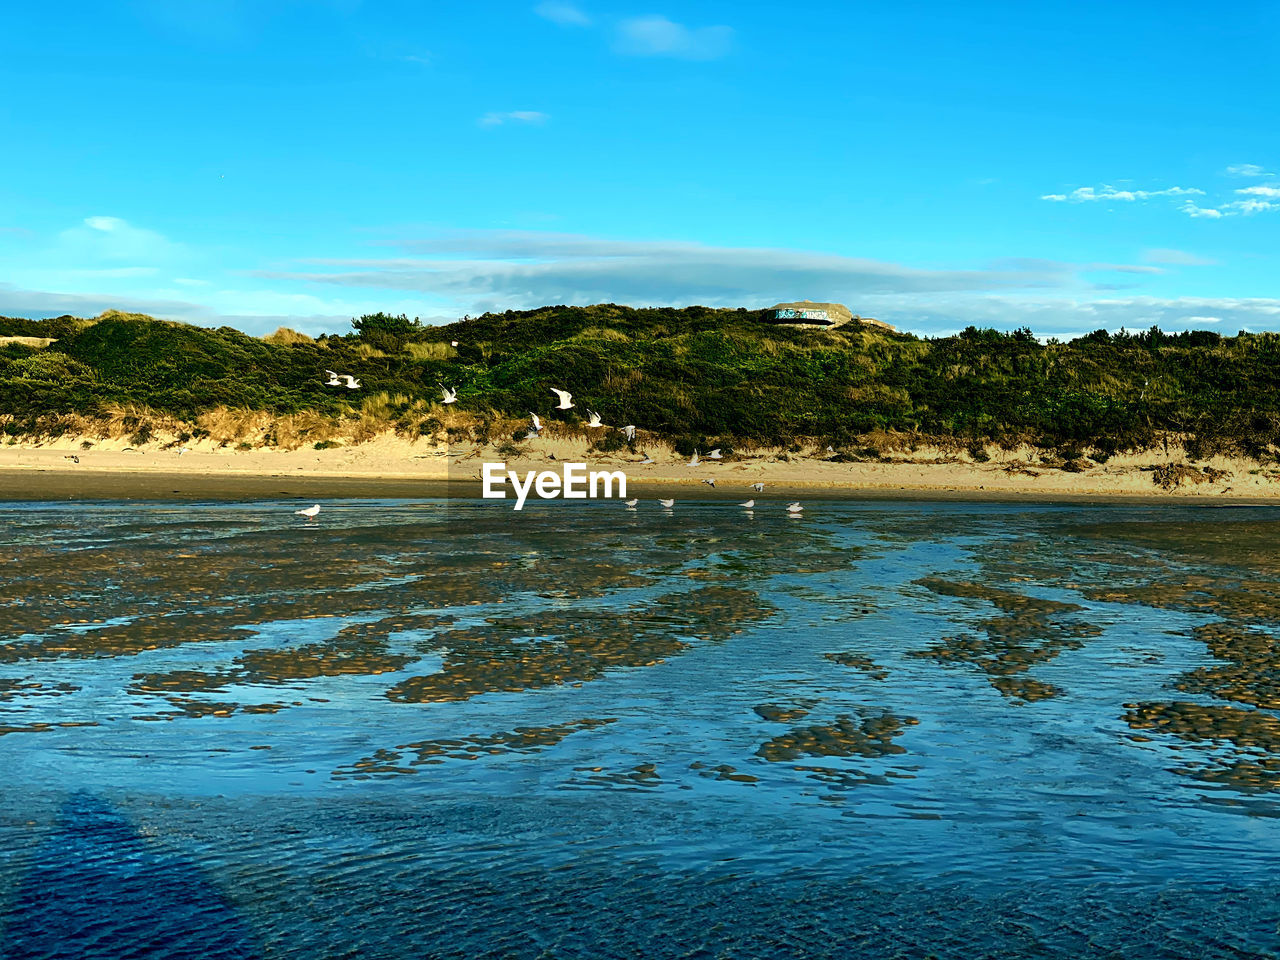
[[867, 733], [408, 757]]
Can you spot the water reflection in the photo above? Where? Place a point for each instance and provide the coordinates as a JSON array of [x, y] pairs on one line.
[[949, 715]]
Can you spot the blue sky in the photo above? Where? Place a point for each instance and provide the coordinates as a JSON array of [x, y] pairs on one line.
[[267, 162]]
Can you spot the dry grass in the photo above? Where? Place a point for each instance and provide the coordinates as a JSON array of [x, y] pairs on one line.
[[37, 342], [286, 336], [430, 351]]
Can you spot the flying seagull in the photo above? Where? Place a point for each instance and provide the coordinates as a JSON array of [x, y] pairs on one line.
[[695, 461], [748, 505], [714, 454], [794, 508], [709, 481], [537, 424], [595, 420], [333, 380], [758, 487], [450, 396], [667, 503], [566, 399], [352, 382], [631, 504], [310, 512], [630, 431]]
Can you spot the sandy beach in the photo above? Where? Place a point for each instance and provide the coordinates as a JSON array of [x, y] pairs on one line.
[[391, 466]]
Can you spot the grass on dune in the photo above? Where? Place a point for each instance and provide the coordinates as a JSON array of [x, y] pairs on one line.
[[692, 375]]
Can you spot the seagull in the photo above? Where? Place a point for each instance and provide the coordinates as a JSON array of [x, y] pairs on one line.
[[647, 459], [450, 396], [595, 420], [310, 512], [758, 487], [630, 431], [531, 435], [830, 448], [566, 399], [794, 508], [352, 382], [714, 454], [695, 461], [709, 482], [72, 457], [748, 505], [537, 424], [182, 450], [333, 380], [667, 503], [631, 504]]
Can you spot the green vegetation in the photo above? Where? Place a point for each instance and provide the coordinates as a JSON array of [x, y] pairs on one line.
[[691, 375]]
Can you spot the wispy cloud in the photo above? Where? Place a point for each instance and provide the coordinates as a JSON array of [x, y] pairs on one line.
[[1108, 192], [565, 14], [533, 117], [656, 36], [481, 270], [1247, 170], [102, 238], [1258, 198], [1176, 258]]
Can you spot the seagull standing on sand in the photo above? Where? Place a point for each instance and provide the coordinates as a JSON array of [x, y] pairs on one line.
[[352, 382], [309, 512], [450, 396], [714, 454], [695, 461], [333, 380], [566, 399], [630, 431], [594, 419], [748, 505], [667, 503], [647, 459], [758, 487], [794, 509]]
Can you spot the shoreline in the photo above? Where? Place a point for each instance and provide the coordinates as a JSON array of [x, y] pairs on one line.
[[66, 481], [387, 466]]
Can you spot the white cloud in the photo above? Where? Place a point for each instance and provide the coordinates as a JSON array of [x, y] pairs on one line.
[[114, 239], [565, 14], [1260, 191], [656, 36], [1247, 170], [1176, 258], [1108, 192], [1193, 210], [513, 116]]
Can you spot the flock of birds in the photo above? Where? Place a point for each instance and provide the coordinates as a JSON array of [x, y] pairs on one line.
[[449, 395]]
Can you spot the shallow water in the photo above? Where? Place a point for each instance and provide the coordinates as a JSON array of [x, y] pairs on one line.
[[446, 729]]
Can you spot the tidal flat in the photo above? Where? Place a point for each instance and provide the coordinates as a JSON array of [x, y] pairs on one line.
[[439, 728]]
